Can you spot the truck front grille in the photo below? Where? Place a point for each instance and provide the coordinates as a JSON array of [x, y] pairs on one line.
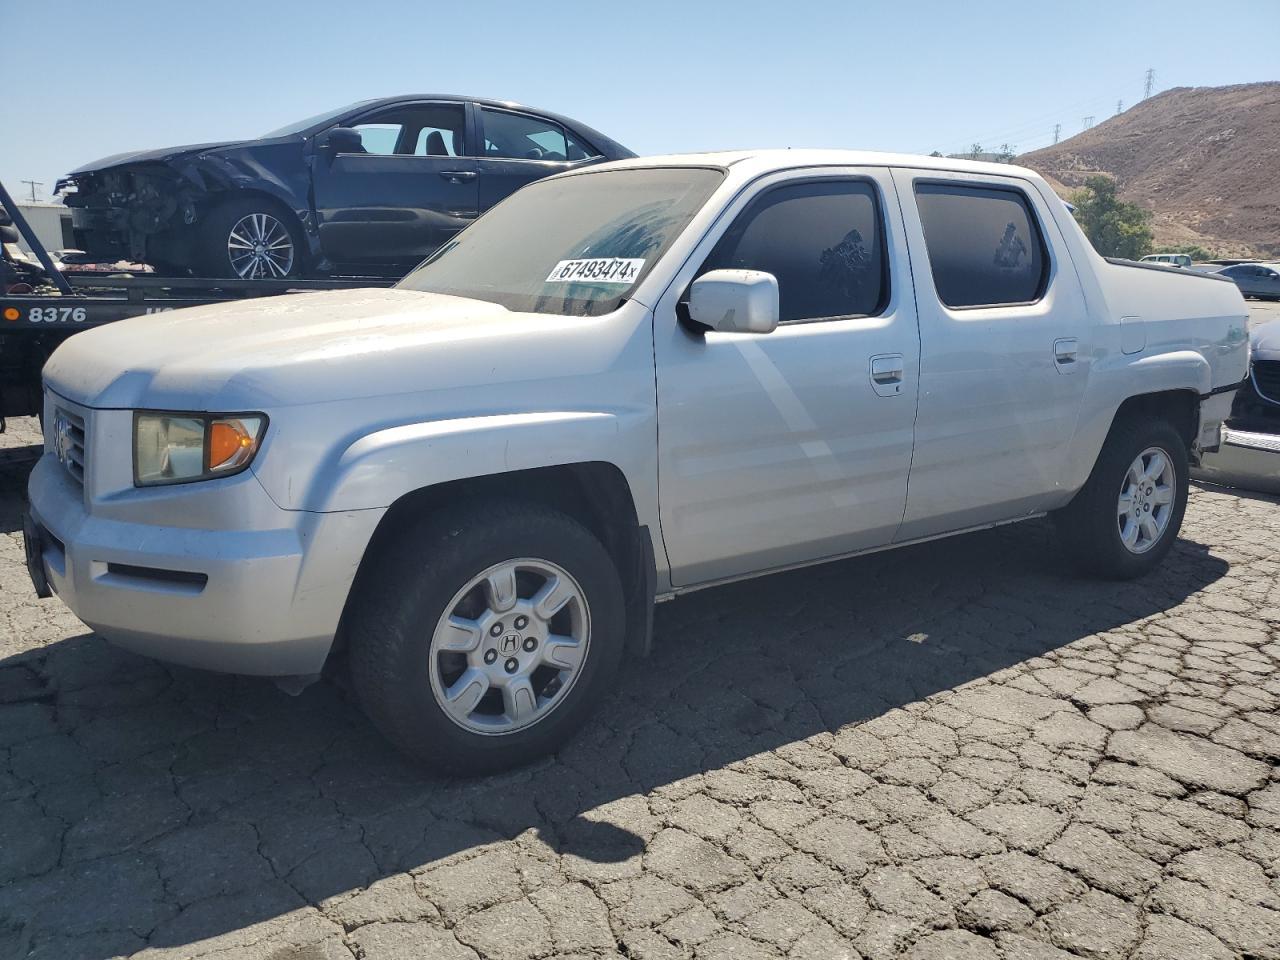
[[68, 442], [1266, 379]]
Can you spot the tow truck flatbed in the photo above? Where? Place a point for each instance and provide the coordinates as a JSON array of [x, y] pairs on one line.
[[37, 315]]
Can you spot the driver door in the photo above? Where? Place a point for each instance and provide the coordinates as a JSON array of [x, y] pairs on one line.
[[791, 446], [410, 190]]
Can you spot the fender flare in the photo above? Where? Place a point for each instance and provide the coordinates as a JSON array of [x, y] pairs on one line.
[[1113, 384], [379, 468]]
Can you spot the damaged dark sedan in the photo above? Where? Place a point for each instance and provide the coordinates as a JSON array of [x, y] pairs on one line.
[[368, 190]]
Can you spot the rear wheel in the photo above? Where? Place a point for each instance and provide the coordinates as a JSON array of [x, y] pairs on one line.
[[481, 639], [251, 239], [1128, 514]]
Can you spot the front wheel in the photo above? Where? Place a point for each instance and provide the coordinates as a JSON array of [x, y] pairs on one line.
[[250, 239], [1127, 516], [482, 639]]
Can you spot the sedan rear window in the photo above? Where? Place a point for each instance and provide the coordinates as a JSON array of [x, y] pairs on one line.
[[571, 245]]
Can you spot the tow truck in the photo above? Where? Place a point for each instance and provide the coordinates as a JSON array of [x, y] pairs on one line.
[[42, 303]]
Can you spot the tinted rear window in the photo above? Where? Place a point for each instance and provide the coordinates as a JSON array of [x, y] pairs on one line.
[[984, 245]]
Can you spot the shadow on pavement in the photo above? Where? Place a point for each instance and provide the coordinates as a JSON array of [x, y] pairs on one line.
[[173, 805]]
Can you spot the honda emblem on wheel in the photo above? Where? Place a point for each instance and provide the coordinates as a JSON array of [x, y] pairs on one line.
[[510, 643]]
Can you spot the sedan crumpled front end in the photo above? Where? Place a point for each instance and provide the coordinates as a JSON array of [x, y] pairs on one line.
[[131, 212]]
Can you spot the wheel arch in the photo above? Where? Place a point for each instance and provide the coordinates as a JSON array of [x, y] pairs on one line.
[[595, 493], [1180, 407], [227, 195]]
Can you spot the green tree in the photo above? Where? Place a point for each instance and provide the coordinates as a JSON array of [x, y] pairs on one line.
[[1114, 227]]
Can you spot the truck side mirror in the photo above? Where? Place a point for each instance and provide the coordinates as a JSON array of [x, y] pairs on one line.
[[340, 140], [735, 301]]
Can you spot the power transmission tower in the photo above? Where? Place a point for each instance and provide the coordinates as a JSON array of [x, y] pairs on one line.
[[1119, 107], [33, 184], [1057, 129], [1151, 79], [1088, 121]]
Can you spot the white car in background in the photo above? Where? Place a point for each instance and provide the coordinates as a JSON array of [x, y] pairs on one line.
[[619, 385], [1168, 259]]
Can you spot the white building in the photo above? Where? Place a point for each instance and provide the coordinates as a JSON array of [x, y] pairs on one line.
[[51, 223]]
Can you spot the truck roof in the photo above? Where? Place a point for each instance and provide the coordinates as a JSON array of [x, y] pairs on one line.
[[763, 161]]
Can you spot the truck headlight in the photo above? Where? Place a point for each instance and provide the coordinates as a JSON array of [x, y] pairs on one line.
[[182, 447]]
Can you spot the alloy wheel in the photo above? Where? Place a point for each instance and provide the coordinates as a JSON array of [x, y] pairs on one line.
[[509, 646], [1146, 501], [259, 247]]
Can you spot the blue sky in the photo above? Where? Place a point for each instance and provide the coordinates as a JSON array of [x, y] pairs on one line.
[[86, 79]]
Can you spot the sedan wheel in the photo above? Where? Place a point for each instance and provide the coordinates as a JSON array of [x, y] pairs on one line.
[[260, 247]]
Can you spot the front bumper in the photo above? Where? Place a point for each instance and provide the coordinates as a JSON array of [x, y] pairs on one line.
[[264, 601]]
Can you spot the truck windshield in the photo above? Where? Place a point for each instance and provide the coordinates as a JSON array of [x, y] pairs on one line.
[[572, 245]]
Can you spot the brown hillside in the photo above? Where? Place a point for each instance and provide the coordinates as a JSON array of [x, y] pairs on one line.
[[1204, 160]]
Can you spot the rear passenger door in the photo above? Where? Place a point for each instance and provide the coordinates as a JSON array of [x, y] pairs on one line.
[[518, 148], [1005, 351], [794, 445]]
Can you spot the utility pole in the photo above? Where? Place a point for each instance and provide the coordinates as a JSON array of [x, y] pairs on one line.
[[33, 184], [1057, 130], [1151, 79], [1119, 107], [1088, 121]]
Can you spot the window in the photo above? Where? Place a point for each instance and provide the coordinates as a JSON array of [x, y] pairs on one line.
[[984, 244], [521, 253], [379, 138], [438, 142], [823, 242], [416, 129], [517, 136]]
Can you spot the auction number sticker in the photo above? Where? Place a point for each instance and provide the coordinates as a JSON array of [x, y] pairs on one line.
[[597, 270]]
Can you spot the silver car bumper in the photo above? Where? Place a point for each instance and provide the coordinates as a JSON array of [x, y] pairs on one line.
[[264, 601], [1247, 460]]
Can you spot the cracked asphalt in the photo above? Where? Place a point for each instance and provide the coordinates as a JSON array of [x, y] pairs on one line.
[[956, 750]]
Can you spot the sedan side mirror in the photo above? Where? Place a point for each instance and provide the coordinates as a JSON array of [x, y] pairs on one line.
[[735, 301], [340, 140]]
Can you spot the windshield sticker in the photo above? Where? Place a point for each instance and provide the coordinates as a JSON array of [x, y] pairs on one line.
[[598, 270]]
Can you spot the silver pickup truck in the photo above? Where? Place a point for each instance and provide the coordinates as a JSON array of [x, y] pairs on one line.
[[619, 385]]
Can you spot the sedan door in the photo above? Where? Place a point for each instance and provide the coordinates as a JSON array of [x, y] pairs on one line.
[[409, 191], [1268, 282], [517, 148], [785, 447]]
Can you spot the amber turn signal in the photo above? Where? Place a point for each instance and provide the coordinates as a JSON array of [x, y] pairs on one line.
[[228, 441]]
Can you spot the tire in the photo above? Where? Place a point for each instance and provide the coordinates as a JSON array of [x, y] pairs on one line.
[[1093, 525], [419, 578], [251, 219]]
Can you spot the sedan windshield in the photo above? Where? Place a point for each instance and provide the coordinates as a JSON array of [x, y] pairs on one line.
[[571, 245], [317, 120]]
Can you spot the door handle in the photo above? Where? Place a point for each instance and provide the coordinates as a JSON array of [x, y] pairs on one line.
[[886, 369], [458, 176], [1064, 351], [886, 374]]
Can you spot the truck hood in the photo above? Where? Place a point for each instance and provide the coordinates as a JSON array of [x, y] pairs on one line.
[[300, 348], [159, 155]]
